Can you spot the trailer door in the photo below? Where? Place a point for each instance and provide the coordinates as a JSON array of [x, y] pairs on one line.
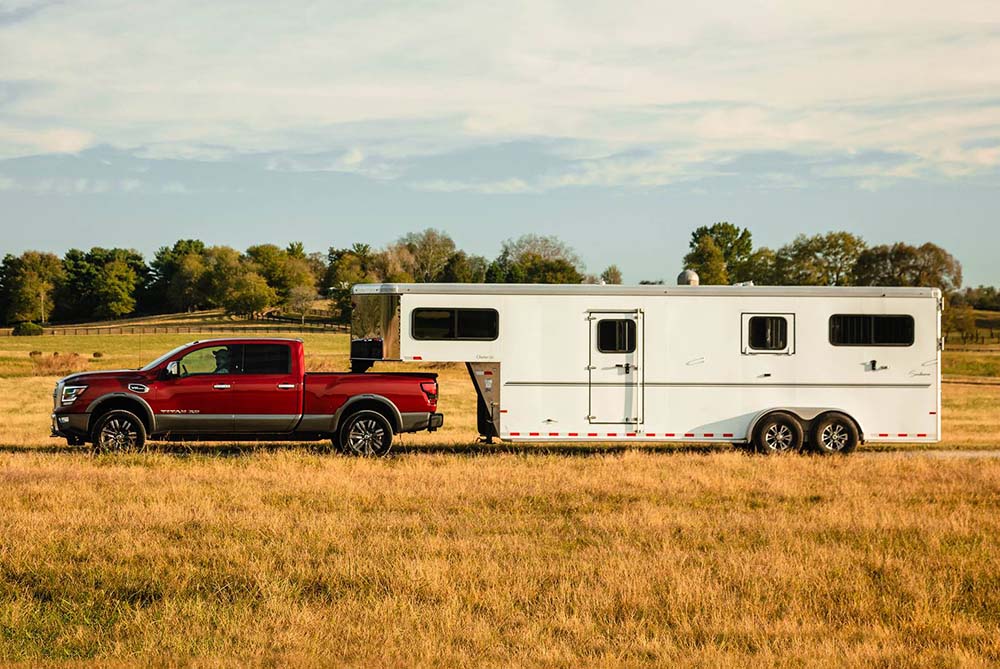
[[616, 367]]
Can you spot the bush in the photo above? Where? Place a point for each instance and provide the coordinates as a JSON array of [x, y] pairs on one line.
[[27, 330], [98, 354], [35, 354]]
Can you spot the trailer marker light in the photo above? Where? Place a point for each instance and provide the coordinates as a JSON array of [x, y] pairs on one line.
[[487, 373], [650, 434], [882, 434], [921, 435], [591, 434], [533, 434], [612, 434], [669, 434], [901, 435], [553, 434], [515, 434], [418, 357], [709, 434], [689, 434], [572, 434], [630, 434], [503, 411], [933, 413], [727, 434]]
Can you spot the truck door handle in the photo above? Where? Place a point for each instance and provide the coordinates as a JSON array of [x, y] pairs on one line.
[[286, 386], [222, 386]]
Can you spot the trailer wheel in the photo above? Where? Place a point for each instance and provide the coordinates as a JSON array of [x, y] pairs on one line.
[[118, 431], [366, 433], [778, 432], [835, 433]]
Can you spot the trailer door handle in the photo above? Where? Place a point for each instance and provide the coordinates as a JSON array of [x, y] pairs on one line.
[[286, 386], [627, 366], [222, 386]]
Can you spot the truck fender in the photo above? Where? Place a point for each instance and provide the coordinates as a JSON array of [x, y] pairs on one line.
[[805, 415], [146, 412], [394, 414]]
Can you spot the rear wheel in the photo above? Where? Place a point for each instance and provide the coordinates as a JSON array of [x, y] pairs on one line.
[[118, 431], [366, 433], [778, 432], [835, 433]]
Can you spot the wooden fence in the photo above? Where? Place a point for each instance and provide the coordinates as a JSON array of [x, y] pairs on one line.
[[262, 329]]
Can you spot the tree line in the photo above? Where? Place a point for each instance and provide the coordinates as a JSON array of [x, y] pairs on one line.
[[110, 283]]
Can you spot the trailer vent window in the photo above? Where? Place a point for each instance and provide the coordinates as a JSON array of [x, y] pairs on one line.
[[452, 324], [616, 336], [768, 333], [868, 330]]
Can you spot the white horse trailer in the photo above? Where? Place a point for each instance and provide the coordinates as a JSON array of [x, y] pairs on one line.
[[777, 367]]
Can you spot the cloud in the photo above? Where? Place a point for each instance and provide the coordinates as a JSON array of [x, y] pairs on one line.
[[665, 92]]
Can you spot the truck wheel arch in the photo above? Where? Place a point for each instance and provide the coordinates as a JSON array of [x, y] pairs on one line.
[[126, 401], [805, 415], [369, 401]]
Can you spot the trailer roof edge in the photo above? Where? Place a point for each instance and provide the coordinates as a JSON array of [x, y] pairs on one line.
[[675, 291]]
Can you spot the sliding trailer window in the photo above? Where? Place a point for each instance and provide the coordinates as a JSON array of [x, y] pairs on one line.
[[871, 330], [455, 324], [768, 333], [616, 335]]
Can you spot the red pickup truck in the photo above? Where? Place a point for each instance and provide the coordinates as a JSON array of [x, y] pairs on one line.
[[242, 389]]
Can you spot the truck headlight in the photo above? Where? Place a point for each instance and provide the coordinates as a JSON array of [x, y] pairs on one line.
[[70, 393]]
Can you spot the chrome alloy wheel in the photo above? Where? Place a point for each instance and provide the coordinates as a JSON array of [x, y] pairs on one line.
[[834, 437], [118, 434], [365, 437], [778, 437]]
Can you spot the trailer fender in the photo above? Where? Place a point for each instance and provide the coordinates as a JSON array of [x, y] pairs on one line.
[[805, 415]]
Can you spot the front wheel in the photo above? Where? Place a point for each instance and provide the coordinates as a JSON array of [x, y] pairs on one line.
[[118, 431], [835, 433], [366, 433], [778, 432]]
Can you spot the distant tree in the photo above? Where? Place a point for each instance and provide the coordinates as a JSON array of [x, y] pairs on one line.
[[819, 260], [346, 267], [959, 317], [651, 282], [28, 285], [281, 270], [464, 268], [905, 265], [734, 243], [760, 268], [549, 270], [114, 289], [612, 275], [544, 247], [187, 288], [103, 283], [296, 250], [707, 260], [248, 294], [431, 250], [983, 297], [299, 300], [162, 270], [395, 264], [224, 268]]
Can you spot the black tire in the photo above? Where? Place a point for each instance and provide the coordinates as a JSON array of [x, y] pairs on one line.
[[365, 433], [835, 433], [118, 431], [778, 432]]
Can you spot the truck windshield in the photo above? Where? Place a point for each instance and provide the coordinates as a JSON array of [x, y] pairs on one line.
[[163, 358]]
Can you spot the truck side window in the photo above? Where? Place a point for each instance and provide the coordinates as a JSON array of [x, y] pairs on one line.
[[871, 330], [212, 360], [267, 359], [616, 335], [768, 333]]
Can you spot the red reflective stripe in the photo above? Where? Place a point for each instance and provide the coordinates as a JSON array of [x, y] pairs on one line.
[[883, 434], [630, 434], [901, 434], [669, 434], [572, 434], [515, 434], [921, 435], [709, 434], [727, 434], [933, 413], [553, 434], [650, 434], [533, 434], [591, 434], [503, 411], [689, 434], [612, 434], [487, 373], [418, 357]]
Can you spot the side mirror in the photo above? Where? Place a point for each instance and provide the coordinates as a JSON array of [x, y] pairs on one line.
[[172, 370]]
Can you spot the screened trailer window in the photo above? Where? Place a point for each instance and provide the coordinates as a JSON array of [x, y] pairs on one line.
[[616, 336], [870, 330], [768, 333], [455, 324]]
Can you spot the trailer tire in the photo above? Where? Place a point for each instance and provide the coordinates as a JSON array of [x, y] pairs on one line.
[[835, 433], [365, 433], [778, 432], [118, 431]]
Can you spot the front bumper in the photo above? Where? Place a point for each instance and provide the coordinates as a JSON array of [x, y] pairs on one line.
[[70, 425], [414, 422]]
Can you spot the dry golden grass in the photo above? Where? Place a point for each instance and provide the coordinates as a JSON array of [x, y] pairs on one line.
[[637, 559], [450, 553]]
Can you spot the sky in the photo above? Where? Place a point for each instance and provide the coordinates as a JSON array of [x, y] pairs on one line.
[[619, 127]]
